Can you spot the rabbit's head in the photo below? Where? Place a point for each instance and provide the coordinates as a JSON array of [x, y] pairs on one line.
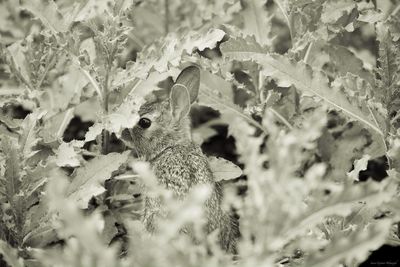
[[164, 122]]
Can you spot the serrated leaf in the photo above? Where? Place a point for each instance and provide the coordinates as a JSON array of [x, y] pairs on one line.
[[110, 228], [90, 9], [223, 169], [48, 13], [94, 131], [362, 96], [89, 178], [33, 183], [54, 127], [10, 255], [394, 26], [19, 62], [64, 92], [257, 21], [39, 229], [28, 133], [12, 176], [342, 204], [352, 249], [11, 185], [175, 47], [346, 61], [359, 165], [371, 16], [76, 229], [389, 59], [168, 52], [208, 40], [333, 10], [331, 150], [66, 155], [299, 74], [126, 115], [209, 95], [10, 122]]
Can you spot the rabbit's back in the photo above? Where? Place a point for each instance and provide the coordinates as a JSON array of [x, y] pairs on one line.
[[183, 166]]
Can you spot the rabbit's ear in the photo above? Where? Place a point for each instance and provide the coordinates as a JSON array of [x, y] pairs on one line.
[[190, 78], [179, 101]]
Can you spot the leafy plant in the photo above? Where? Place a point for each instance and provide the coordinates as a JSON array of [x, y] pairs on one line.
[[303, 94]]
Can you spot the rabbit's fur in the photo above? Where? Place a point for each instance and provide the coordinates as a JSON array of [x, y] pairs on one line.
[[177, 162]]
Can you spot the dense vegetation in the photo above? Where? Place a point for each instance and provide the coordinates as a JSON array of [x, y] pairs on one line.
[[298, 110]]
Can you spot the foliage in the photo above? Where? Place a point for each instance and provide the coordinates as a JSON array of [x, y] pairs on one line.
[[308, 90]]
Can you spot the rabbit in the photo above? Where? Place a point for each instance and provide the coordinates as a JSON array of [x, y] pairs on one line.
[[163, 137]]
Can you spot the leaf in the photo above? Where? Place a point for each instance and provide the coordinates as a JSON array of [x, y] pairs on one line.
[[168, 52], [10, 255], [394, 26], [342, 204], [94, 131], [302, 76], [224, 169], [90, 9], [346, 61], [54, 126], [202, 134], [89, 178], [18, 62], [394, 154], [362, 96], [352, 249], [77, 229], [359, 165], [333, 10], [48, 13], [12, 177], [66, 156], [207, 40], [10, 186], [39, 229], [389, 60], [88, 110], [126, 115], [110, 228], [257, 21], [10, 122], [28, 138], [64, 92], [210, 95], [33, 182], [331, 150], [371, 16]]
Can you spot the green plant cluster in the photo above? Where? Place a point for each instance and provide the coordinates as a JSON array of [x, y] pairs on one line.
[[309, 90]]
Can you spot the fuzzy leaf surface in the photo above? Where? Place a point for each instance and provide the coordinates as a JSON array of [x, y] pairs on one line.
[[89, 178], [302, 76]]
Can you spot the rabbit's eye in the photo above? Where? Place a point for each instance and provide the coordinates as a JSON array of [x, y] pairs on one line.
[[144, 123]]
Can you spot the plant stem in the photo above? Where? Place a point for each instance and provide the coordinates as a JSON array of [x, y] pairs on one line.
[[308, 52], [288, 17], [397, 9], [281, 118], [68, 115], [50, 63], [166, 23], [92, 81], [106, 134]]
